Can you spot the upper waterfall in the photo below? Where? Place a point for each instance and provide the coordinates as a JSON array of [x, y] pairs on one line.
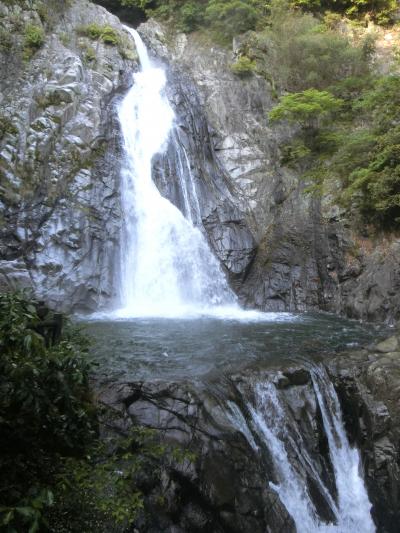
[[167, 267]]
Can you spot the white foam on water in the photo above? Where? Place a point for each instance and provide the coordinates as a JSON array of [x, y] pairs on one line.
[[224, 313]]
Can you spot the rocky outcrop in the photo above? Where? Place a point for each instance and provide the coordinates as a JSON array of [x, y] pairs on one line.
[[226, 480], [59, 157], [220, 486]]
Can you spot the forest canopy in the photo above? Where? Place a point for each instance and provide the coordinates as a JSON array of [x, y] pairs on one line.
[[231, 17]]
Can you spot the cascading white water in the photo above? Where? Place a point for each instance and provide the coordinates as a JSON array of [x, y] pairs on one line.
[[353, 503], [273, 424], [167, 268]]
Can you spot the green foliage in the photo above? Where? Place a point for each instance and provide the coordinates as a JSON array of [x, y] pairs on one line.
[[89, 54], [107, 35], [302, 53], [308, 108], [65, 38], [7, 127], [109, 480], [116, 463], [191, 16], [29, 513], [243, 67], [358, 149], [382, 11], [56, 474], [6, 41], [227, 18], [43, 13], [96, 32], [33, 39], [370, 173], [224, 18], [45, 410]]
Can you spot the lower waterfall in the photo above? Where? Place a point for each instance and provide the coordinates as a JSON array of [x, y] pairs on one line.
[[167, 268], [271, 425]]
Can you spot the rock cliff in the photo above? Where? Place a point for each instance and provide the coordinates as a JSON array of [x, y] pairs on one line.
[[59, 158]]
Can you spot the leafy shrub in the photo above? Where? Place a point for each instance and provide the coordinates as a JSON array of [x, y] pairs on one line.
[[6, 40], [7, 126], [56, 474], [227, 18], [65, 38], [190, 17], [243, 67], [34, 37], [90, 55], [308, 108], [45, 410], [382, 11], [107, 34], [302, 53], [359, 149], [371, 174]]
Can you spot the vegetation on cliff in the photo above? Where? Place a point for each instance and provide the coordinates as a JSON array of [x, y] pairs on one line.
[[347, 140], [356, 151], [227, 18]]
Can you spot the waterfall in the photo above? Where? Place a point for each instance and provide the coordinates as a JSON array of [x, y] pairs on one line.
[[271, 422], [167, 267]]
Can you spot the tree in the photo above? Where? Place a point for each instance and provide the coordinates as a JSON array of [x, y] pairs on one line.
[[228, 18], [308, 108]]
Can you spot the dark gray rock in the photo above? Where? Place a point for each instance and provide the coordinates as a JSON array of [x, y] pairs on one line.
[[224, 487], [368, 385]]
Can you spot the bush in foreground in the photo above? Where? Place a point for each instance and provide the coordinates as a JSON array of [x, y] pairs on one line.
[[46, 412]]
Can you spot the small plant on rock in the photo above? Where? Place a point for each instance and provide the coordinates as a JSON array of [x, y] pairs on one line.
[[107, 34], [243, 67], [33, 39]]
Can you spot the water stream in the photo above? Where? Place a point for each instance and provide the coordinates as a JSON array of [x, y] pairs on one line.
[[167, 267]]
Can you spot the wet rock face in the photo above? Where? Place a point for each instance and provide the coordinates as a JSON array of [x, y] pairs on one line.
[[368, 384], [60, 162], [225, 486], [211, 195]]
